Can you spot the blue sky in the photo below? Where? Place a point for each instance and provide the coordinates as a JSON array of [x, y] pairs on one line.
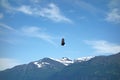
[[32, 29]]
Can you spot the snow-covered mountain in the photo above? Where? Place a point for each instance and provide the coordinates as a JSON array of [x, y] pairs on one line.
[[64, 60], [47, 62], [60, 69]]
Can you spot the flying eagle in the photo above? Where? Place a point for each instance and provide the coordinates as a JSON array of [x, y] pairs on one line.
[[62, 42]]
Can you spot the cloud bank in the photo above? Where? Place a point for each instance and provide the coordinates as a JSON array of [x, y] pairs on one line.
[[50, 11], [29, 31], [36, 32], [102, 46]]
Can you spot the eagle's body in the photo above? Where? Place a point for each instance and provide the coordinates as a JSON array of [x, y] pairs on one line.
[[62, 42]]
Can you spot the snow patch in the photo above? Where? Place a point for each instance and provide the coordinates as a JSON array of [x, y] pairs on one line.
[[41, 64], [38, 65], [83, 59], [66, 61]]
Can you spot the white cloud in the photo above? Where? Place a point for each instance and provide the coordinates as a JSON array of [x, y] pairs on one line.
[[35, 1], [114, 4], [1, 15], [114, 11], [53, 13], [4, 40], [6, 63], [102, 46], [114, 16], [25, 9], [88, 7], [37, 32], [7, 33], [7, 27], [5, 4], [31, 31]]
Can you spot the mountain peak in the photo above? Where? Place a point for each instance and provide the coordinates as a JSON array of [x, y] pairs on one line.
[[45, 62], [66, 61], [46, 59]]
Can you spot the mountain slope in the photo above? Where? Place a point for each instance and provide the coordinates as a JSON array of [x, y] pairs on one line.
[[98, 68], [32, 71]]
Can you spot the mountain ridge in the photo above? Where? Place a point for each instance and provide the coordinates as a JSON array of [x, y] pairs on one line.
[[95, 68]]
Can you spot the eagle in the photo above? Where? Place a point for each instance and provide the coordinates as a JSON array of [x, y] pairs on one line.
[[62, 42]]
